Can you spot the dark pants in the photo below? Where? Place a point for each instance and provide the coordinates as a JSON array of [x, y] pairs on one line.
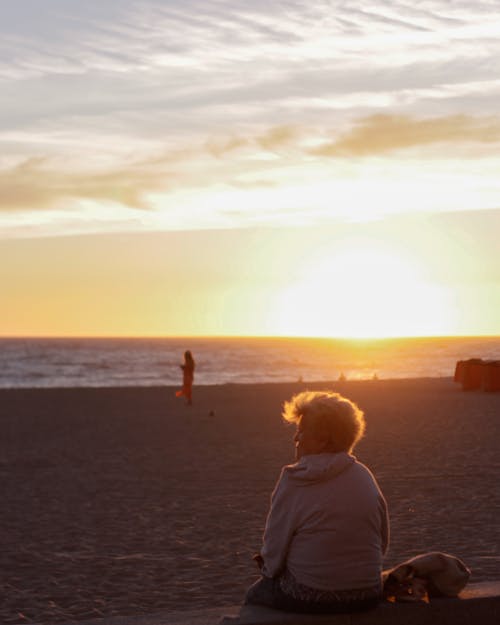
[[267, 592]]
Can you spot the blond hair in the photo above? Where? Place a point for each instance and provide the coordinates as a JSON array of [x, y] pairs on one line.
[[333, 416]]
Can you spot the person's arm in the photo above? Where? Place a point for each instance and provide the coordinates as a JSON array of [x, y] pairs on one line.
[[280, 527]]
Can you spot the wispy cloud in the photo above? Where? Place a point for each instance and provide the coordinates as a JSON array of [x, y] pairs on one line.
[[277, 137], [221, 147], [259, 160], [35, 184], [383, 133], [116, 102]]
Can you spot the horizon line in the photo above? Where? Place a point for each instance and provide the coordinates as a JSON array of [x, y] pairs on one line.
[[243, 336]]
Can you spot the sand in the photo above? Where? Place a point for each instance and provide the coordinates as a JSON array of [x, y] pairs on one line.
[[126, 501]]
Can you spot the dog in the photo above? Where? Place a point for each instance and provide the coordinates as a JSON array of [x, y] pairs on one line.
[[433, 574]]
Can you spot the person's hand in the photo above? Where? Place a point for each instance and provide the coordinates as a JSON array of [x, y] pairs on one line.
[[258, 559]]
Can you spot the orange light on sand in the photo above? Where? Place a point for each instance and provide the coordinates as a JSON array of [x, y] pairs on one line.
[[362, 290]]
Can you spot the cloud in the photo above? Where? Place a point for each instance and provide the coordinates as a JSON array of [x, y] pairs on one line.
[[378, 134], [271, 140], [219, 148], [36, 184], [277, 137], [194, 64], [40, 182]]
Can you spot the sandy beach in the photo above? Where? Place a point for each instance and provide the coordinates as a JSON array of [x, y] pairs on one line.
[[124, 501]]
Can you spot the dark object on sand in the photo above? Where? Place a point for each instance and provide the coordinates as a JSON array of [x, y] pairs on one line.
[[477, 374]]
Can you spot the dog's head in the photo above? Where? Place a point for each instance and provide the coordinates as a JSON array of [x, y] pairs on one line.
[[402, 584]]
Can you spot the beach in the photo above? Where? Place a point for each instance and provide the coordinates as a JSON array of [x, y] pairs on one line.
[[124, 501]]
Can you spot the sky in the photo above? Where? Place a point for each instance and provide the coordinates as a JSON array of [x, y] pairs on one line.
[[175, 168]]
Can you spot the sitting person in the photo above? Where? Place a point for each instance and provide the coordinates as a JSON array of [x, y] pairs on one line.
[[327, 528]]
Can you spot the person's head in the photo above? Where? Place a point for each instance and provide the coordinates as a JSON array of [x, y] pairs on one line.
[[326, 422], [188, 357]]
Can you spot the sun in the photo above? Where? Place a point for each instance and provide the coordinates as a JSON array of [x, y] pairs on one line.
[[360, 290]]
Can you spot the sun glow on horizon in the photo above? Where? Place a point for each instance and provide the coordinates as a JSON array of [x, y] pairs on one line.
[[363, 291], [394, 278]]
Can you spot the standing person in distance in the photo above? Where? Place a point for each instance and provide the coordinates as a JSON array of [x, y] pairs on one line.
[[187, 378]]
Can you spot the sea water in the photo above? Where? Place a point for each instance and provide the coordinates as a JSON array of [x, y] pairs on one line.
[[101, 362]]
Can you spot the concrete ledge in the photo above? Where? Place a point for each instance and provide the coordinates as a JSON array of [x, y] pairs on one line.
[[478, 604]]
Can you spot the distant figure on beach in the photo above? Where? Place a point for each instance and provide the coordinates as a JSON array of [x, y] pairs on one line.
[[187, 378], [328, 526]]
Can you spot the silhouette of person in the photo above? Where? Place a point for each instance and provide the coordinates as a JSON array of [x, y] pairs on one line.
[[187, 378], [328, 526]]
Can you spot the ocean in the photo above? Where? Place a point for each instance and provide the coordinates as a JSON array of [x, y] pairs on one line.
[[104, 362]]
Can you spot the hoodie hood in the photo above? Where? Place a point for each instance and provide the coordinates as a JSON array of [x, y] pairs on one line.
[[319, 467]]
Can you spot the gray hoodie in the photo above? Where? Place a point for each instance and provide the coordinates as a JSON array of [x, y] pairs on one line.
[[328, 524]]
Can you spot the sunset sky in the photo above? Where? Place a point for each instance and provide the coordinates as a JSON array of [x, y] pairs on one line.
[[178, 167]]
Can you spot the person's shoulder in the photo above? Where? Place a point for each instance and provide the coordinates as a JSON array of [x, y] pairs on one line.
[[288, 472], [367, 475], [288, 468], [363, 469], [284, 485]]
